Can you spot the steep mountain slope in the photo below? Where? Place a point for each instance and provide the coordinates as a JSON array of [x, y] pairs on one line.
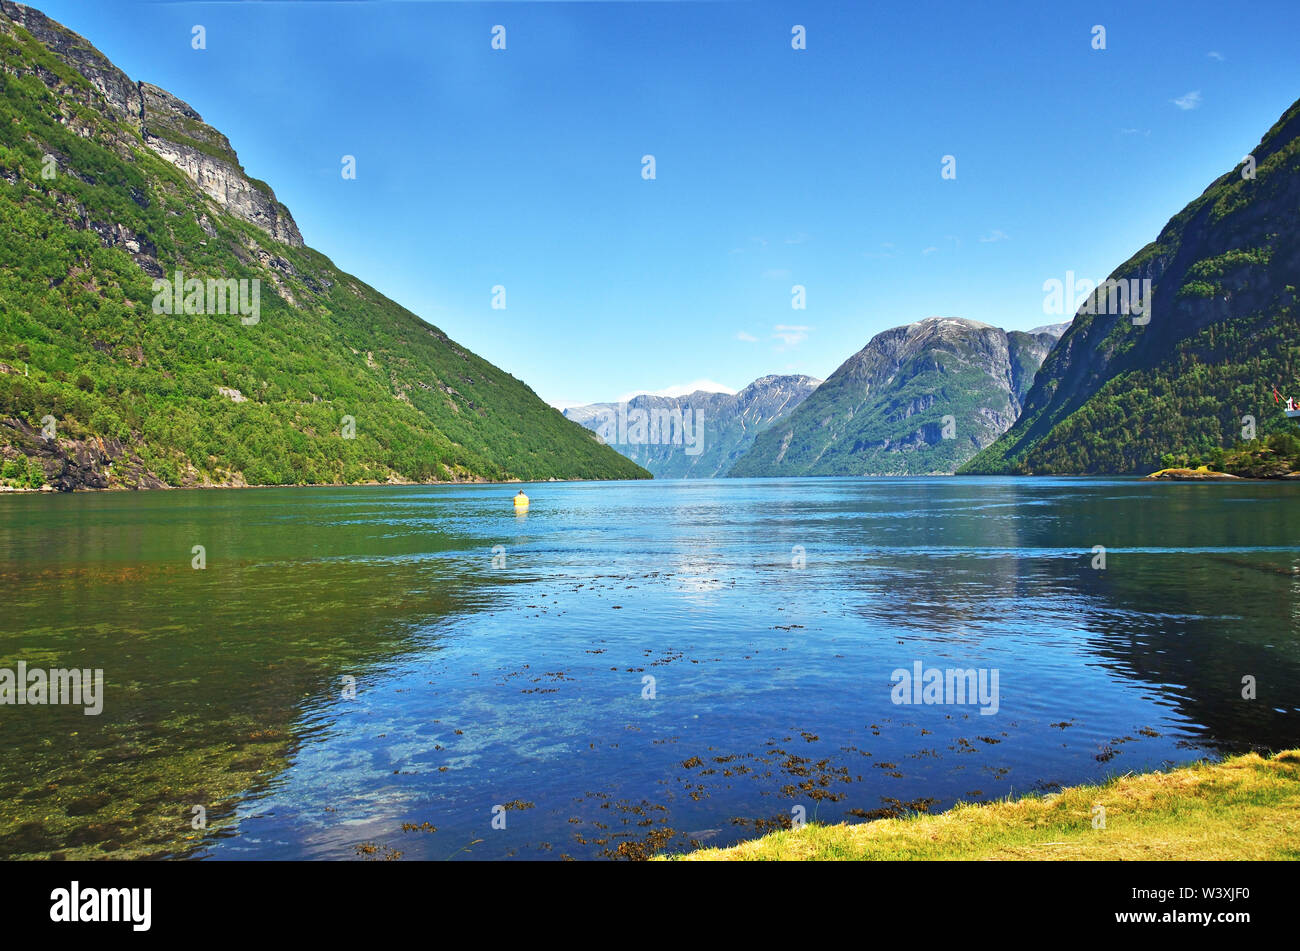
[[883, 411], [1114, 396], [729, 424], [105, 185]]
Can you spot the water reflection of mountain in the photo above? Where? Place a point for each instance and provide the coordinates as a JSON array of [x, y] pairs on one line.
[[1196, 624], [1199, 588]]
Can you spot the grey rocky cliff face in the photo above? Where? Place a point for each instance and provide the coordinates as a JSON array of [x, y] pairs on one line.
[[230, 188], [121, 94], [70, 464], [1027, 351], [890, 359], [160, 117]]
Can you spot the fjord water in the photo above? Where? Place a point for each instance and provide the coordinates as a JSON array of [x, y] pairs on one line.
[[513, 682]]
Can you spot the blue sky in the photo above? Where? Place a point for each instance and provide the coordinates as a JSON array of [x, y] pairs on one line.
[[774, 167]]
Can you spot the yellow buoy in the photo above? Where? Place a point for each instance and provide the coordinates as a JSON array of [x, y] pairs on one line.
[[521, 502]]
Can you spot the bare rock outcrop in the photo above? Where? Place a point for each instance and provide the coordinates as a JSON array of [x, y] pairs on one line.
[[167, 125]]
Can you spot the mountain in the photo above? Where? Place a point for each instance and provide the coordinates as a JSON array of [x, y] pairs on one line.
[[1120, 391], [715, 428], [917, 399], [266, 365]]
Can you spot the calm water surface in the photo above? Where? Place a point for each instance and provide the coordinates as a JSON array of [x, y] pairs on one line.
[[518, 687]]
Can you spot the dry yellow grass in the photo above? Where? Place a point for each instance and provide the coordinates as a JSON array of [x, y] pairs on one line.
[[1246, 807]]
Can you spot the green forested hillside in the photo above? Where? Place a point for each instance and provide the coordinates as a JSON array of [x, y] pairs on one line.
[[1115, 397], [90, 214]]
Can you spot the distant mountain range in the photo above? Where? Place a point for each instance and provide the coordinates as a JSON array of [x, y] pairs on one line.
[[1180, 350], [1197, 370], [266, 365], [917, 399], [698, 436]]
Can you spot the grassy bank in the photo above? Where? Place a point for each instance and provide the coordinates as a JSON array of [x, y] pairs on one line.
[[1247, 807]]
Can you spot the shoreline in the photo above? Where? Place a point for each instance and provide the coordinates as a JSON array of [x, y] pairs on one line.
[[1242, 807], [51, 490], [1201, 474], [1206, 474]]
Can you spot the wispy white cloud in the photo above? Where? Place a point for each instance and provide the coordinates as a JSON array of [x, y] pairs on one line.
[[798, 238], [677, 389], [930, 250], [996, 235], [1135, 131], [1215, 55], [1188, 101], [790, 335], [748, 338], [681, 389], [777, 273]]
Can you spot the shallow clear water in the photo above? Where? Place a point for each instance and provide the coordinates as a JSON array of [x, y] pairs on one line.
[[523, 684]]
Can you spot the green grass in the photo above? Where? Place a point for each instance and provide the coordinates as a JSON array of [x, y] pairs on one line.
[[1246, 807]]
